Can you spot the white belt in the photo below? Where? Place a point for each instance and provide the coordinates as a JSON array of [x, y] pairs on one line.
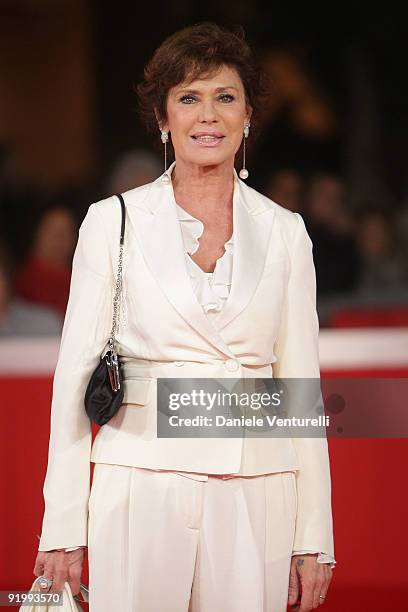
[[133, 366], [139, 374]]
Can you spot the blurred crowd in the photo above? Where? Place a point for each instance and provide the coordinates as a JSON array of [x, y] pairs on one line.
[[360, 255]]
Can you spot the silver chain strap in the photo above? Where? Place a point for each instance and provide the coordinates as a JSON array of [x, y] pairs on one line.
[[112, 359], [116, 299]]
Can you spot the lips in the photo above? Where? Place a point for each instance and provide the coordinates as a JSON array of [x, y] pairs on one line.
[[208, 138], [208, 134]]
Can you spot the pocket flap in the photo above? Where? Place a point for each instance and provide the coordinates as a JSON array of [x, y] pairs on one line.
[[137, 390]]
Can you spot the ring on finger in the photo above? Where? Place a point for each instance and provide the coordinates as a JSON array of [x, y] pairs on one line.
[[45, 583]]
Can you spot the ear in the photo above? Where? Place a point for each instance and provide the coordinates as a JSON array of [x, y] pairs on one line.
[[249, 111], [161, 124]]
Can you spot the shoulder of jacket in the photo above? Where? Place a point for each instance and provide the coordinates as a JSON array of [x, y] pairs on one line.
[[108, 208], [287, 219], [133, 196]]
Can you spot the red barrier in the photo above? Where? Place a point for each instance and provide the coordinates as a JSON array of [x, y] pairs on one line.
[[371, 317], [369, 481]]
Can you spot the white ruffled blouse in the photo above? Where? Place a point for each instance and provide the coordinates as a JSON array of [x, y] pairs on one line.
[[212, 290]]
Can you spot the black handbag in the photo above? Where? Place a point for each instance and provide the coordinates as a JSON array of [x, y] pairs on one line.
[[105, 390]]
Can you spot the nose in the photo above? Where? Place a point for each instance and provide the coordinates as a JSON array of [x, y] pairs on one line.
[[207, 111]]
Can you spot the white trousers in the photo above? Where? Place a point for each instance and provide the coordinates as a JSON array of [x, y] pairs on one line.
[[161, 542]]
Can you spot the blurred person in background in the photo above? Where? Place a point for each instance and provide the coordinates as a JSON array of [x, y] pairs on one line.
[[330, 227], [44, 277], [132, 169], [381, 264], [285, 187], [18, 317]]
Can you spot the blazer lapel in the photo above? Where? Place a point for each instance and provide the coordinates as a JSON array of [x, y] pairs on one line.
[[252, 221], [157, 227]]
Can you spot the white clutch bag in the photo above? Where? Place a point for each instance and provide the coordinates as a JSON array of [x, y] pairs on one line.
[[69, 603]]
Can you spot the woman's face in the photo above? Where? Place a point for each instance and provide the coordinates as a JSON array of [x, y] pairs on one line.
[[213, 106]]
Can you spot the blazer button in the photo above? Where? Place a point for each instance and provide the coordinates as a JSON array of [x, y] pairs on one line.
[[232, 365], [179, 363]]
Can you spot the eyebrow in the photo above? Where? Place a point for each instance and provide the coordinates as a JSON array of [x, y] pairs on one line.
[[195, 91]]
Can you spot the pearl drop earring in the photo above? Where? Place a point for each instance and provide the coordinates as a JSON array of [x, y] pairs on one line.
[[164, 138], [244, 172]]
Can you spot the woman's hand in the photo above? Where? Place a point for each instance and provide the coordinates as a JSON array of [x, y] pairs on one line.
[[313, 578], [62, 567]]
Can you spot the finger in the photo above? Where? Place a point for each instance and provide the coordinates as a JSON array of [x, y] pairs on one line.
[[306, 602], [60, 572], [319, 590], [293, 591], [38, 568], [74, 580], [75, 586], [322, 586], [60, 577]]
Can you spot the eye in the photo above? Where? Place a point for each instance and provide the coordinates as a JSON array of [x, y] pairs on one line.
[[227, 96], [183, 98], [224, 97]]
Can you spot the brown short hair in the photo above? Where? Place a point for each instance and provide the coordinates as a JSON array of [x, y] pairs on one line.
[[196, 51]]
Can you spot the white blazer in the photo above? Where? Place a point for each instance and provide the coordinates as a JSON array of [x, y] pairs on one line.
[[268, 327]]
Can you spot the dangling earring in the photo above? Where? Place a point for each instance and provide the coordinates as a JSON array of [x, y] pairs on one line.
[[164, 138], [244, 172]]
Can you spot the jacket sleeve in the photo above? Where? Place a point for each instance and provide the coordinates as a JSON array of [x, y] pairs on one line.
[[84, 336], [321, 557], [297, 356]]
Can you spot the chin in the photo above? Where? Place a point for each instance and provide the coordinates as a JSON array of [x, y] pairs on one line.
[[208, 159]]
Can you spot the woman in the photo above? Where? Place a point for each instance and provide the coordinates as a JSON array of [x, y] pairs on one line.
[[44, 276], [218, 283]]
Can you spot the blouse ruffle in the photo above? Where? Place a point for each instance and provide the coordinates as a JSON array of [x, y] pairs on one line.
[[211, 288]]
